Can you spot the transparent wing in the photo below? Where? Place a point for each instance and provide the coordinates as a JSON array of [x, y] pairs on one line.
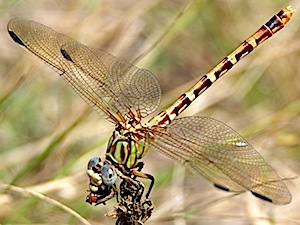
[[216, 152], [113, 88]]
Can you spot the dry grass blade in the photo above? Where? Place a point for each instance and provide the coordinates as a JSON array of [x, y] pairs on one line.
[[42, 197], [162, 36]]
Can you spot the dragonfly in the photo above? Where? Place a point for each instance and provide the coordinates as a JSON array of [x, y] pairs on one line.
[[125, 95]]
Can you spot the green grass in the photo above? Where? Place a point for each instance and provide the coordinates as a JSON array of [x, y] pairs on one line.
[[48, 134]]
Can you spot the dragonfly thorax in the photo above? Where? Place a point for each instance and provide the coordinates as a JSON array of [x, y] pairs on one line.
[[127, 147], [132, 124]]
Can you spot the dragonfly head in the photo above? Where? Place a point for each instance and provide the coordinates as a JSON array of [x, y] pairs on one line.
[[103, 177]]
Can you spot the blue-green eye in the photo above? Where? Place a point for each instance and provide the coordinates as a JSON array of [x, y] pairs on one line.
[[109, 175], [93, 162]]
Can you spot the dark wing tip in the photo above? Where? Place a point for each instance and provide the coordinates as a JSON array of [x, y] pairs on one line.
[[66, 55], [221, 187], [262, 197], [15, 38], [13, 35]]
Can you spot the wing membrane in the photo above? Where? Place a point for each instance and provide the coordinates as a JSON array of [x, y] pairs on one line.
[[216, 152], [113, 88]]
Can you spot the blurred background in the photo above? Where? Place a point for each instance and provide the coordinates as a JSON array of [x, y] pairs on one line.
[[48, 133]]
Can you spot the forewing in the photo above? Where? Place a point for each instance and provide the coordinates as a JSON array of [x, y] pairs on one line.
[[113, 88], [216, 152]]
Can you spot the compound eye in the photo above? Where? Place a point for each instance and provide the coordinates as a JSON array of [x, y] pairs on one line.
[[93, 162], [109, 175]]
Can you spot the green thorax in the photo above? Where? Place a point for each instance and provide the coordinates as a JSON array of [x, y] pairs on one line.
[[126, 149]]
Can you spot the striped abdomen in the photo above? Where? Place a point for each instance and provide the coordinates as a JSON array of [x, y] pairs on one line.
[[276, 23]]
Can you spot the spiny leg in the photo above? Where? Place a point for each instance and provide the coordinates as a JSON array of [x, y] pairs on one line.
[[145, 176]]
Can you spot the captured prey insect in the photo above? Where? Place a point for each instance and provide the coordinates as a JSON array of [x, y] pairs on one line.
[[124, 95]]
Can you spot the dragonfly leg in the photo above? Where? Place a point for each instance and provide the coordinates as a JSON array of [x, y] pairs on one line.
[[140, 166], [140, 174], [131, 189], [102, 195], [137, 173]]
